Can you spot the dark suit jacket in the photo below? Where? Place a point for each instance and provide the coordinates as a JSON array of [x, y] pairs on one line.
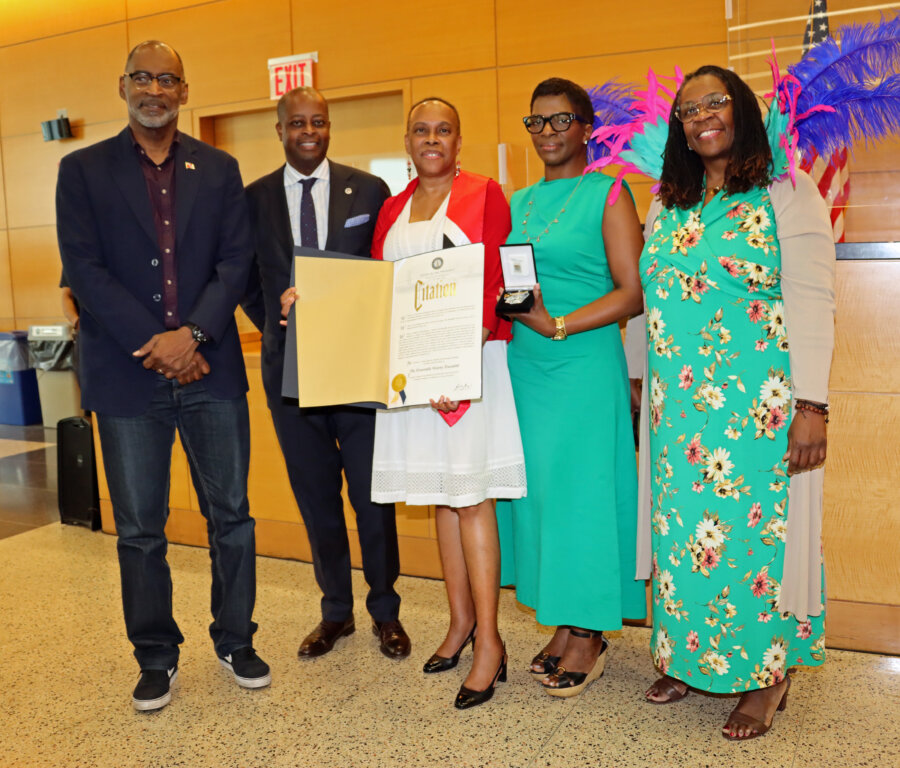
[[110, 255], [353, 194]]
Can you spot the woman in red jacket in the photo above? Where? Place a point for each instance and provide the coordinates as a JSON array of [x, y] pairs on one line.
[[457, 456]]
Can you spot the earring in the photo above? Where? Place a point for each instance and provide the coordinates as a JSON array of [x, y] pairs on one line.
[[409, 168], [457, 167], [585, 141]]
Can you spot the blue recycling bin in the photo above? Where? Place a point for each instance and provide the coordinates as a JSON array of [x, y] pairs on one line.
[[20, 401]]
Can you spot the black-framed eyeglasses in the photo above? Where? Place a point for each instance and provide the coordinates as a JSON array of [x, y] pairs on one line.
[[559, 122], [712, 103], [166, 81]]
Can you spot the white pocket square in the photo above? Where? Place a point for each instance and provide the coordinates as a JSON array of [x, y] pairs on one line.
[[356, 220]]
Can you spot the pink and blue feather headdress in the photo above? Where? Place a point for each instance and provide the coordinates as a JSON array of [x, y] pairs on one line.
[[838, 94]]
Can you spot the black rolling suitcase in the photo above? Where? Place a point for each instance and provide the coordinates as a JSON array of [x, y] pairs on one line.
[[79, 502]]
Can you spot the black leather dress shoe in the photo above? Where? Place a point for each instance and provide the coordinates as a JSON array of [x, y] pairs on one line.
[[392, 638], [323, 637]]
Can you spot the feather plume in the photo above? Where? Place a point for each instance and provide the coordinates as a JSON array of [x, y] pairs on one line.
[[613, 104], [636, 144], [859, 113], [865, 53]]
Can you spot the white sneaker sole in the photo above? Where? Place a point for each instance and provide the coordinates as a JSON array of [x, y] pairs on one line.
[[149, 705], [247, 682]]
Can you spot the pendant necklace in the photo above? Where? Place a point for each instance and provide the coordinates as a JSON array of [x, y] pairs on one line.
[[555, 219]]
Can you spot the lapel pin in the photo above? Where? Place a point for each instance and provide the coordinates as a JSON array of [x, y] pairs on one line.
[[348, 191], [189, 166]]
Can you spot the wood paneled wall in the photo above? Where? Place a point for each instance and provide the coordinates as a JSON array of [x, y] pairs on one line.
[[485, 56]]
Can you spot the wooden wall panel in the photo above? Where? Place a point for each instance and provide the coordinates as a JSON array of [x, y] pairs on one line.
[[872, 212], [862, 518], [867, 349], [78, 72], [530, 31], [883, 156], [268, 486], [22, 20], [365, 126], [31, 166], [138, 8], [251, 138], [224, 46], [515, 86], [371, 42], [35, 267], [474, 94], [2, 190], [7, 307]]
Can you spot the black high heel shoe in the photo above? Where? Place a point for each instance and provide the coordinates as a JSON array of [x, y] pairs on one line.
[[467, 698], [442, 663]]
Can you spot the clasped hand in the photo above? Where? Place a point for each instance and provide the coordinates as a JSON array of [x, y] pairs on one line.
[[174, 354]]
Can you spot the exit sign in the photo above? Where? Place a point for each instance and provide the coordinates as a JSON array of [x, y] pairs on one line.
[[289, 72]]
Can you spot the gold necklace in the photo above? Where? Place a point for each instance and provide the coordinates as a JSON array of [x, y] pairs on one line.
[[713, 190], [555, 219]]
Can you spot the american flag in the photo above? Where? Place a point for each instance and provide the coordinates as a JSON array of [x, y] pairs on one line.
[[832, 177]]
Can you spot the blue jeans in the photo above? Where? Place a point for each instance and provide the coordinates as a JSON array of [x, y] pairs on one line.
[[137, 455]]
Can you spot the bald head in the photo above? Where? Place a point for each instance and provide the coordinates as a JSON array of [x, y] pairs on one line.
[[159, 46], [304, 92]]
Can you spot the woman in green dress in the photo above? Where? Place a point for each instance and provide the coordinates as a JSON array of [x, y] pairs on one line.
[[738, 285], [569, 547]]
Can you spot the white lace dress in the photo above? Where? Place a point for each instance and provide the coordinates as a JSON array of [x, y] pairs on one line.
[[418, 458]]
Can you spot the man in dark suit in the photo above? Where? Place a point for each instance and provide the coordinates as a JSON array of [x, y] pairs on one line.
[[317, 203], [155, 243]]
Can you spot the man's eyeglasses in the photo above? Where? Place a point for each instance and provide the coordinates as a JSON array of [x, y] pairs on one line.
[[712, 103], [166, 81], [559, 122]]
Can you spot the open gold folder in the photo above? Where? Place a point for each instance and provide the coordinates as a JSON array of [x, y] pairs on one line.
[[386, 334]]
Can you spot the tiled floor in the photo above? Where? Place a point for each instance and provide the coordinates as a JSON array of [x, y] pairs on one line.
[[27, 478], [66, 675]]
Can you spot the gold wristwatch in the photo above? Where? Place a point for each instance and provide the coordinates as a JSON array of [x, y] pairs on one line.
[[560, 334]]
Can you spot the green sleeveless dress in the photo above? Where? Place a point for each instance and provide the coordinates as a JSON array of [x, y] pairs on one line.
[[720, 408], [569, 546]]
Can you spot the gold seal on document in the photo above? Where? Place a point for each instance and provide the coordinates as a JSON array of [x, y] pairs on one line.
[[399, 383]]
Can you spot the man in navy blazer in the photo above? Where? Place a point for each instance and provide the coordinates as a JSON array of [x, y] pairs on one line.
[[314, 202], [155, 243]]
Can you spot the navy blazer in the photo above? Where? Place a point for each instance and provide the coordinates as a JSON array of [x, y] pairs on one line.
[[353, 196], [110, 255]]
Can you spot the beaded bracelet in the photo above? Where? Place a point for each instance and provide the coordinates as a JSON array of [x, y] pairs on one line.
[[809, 405]]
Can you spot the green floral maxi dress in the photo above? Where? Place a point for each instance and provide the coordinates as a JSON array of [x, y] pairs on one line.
[[720, 408]]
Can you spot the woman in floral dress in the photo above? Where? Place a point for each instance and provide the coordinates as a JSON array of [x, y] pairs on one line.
[[738, 285]]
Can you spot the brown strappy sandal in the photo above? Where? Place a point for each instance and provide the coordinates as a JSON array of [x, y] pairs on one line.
[[757, 727], [665, 686]]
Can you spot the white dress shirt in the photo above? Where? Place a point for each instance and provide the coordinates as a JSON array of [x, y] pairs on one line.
[[320, 193]]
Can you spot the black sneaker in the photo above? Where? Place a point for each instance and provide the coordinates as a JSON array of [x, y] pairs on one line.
[[152, 691], [248, 669]]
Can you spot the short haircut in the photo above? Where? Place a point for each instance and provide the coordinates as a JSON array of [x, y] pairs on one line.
[[577, 96], [440, 101], [303, 90], [750, 165], [148, 43]]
